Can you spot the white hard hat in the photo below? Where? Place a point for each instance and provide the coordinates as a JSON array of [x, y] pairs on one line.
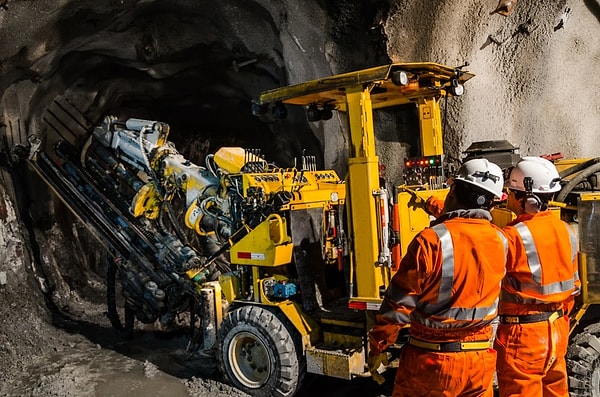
[[483, 174], [545, 178]]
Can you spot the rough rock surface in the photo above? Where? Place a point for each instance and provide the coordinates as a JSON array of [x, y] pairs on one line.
[[196, 65]]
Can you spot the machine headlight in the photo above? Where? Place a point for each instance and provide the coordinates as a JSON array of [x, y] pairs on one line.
[[456, 88]]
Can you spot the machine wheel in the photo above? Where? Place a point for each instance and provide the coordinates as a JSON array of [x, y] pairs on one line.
[[259, 353], [583, 363]]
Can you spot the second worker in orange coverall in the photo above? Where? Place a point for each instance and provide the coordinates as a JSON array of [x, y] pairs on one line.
[[447, 289], [539, 288]]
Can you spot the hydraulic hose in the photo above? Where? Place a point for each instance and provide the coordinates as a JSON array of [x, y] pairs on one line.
[[112, 313], [166, 203], [562, 195], [125, 330]]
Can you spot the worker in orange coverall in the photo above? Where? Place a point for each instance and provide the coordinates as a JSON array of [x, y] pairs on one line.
[[539, 289], [447, 289]]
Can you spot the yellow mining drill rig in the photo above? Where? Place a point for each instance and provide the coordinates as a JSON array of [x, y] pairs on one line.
[[282, 269]]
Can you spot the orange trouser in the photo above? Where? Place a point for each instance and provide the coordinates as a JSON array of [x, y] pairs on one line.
[[531, 358], [432, 374]]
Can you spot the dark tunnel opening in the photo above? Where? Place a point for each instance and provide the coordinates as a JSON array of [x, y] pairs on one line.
[[189, 65], [199, 101]]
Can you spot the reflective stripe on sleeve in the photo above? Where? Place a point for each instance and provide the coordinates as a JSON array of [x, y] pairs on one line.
[[393, 315], [533, 260], [447, 281], [504, 243]]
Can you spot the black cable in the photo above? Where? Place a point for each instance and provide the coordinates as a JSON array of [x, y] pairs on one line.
[[577, 179], [111, 301]]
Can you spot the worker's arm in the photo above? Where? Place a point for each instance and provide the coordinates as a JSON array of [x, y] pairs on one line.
[[433, 206], [399, 301], [403, 293]]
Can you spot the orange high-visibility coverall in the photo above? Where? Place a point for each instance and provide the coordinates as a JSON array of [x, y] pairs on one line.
[[541, 279], [447, 288]]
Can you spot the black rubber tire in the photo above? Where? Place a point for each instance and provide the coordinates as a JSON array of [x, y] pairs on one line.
[[259, 353], [583, 363]]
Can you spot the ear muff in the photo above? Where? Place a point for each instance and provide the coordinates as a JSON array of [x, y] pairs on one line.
[[481, 199]]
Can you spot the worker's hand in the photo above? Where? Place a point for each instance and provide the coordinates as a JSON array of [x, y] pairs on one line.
[[375, 360], [434, 206], [415, 198]]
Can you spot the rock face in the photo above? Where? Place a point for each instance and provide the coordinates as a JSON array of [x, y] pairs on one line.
[[197, 65]]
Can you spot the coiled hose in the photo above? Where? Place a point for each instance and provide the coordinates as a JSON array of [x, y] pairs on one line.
[[587, 168]]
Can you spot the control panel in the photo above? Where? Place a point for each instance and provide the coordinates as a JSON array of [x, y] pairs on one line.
[[425, 171]]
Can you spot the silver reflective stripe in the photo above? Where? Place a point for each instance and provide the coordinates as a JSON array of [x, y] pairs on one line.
[[504, 243], [574, 243], [393, 315], [397, 295], [508, 297], [447, 281], [442, 307], [533, 260], [574, 250], [396, 317], [431, 323], [461, 313], [548, 289], [535, 268]]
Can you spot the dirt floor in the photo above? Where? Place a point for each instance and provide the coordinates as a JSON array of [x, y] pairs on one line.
[[92, 360]]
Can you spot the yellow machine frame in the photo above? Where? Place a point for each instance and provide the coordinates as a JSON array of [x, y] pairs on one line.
[[358, 94]]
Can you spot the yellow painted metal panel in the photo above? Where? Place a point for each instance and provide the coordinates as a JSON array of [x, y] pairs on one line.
[[502, 216], [589, 196], [412, 217], [263, 248], [230, 286], [369, 278], [431, 127], [327, 90]]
